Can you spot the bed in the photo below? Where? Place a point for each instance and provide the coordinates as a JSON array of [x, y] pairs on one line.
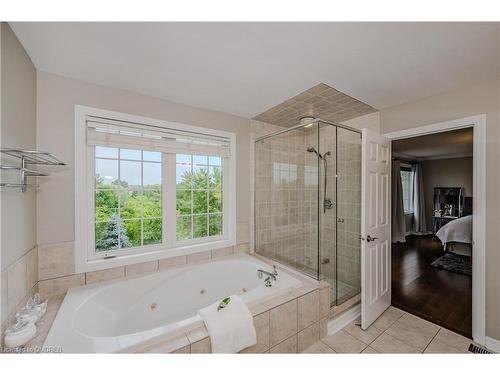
[[456, 236]]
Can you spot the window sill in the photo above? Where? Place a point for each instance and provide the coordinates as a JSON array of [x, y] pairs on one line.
[[86, 265]]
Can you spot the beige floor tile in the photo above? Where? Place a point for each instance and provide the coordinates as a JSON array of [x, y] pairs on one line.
[[413, 331], [453, 339], [319, 347], [369, 350], [388, 318], [367, 336], [437, 346], [448, 342], [342, 342], [388, 344]]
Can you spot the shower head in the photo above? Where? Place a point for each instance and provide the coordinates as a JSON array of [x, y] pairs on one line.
[[312, 149]]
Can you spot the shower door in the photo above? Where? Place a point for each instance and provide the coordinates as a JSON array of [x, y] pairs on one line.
[[340, 224]]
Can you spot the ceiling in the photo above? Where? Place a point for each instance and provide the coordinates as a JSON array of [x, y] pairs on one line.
[[452, 144], [247, 68], [320, 101]]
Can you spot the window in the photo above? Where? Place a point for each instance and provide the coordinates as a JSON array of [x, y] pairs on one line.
[[153, 189], [407, 183], [198, 196], [128, 190]]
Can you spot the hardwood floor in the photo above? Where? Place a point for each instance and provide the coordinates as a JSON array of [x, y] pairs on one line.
[[440, 296]]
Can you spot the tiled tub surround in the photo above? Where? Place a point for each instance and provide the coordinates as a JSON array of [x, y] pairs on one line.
[[50, 270], [287, 322], [118, 315], [19, 282], [56, 264]]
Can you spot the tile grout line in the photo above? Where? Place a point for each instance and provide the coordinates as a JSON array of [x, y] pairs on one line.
[[342, 330], [403, 342], [355, 338], [394, 322], [328, 345], [433, 337]]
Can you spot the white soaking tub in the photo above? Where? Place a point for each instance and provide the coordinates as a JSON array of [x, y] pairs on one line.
[[115, 315]]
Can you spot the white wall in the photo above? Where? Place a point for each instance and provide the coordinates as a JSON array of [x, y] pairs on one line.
[[18, 210], [56, 100], [472, 100], [18, 129]]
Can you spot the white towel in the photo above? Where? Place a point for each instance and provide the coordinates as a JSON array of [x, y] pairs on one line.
[[231, 328]]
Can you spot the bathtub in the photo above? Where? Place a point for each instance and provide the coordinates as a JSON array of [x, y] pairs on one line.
[[115, 315]]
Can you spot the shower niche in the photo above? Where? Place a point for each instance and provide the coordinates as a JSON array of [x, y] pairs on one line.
[[308, 203]]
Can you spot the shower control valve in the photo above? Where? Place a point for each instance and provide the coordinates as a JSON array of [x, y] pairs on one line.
[[328, 204]]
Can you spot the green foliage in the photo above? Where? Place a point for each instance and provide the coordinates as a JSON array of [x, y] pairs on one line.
[[199, 193], [140, 214], [136, 214], [110, 234]]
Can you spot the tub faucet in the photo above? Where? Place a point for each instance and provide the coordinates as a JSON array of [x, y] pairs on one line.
[[271, 276]]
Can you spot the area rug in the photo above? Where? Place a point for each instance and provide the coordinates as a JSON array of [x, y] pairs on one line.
[[454, 263]]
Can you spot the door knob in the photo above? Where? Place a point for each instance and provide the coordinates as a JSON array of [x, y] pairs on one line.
[[368, 238]]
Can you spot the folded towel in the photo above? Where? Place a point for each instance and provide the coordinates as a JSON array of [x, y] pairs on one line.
[[229, 324]]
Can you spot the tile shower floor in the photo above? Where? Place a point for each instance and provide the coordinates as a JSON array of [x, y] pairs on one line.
[[395, 331]]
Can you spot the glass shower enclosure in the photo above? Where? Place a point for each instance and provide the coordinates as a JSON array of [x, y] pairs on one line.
[[308, 203]]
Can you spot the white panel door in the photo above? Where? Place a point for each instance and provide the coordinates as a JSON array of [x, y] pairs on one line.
[[375, 226]]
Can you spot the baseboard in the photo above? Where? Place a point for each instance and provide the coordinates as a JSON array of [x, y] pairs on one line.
[[344, 319], [492, 344]]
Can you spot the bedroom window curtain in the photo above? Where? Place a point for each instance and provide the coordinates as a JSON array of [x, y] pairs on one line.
[[419, 222], [397, 212]]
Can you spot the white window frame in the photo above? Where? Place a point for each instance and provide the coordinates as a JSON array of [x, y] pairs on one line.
[[411, 187], [86, 259]]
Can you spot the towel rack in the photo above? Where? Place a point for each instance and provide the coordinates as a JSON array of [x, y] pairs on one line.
[[27, 157]]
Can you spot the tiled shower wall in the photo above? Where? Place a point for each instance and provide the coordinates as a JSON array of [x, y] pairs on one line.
[[286, 200]]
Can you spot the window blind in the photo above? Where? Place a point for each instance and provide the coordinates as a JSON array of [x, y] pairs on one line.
[[113, 133]]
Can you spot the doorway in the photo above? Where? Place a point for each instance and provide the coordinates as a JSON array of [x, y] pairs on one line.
[[477, 123]]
